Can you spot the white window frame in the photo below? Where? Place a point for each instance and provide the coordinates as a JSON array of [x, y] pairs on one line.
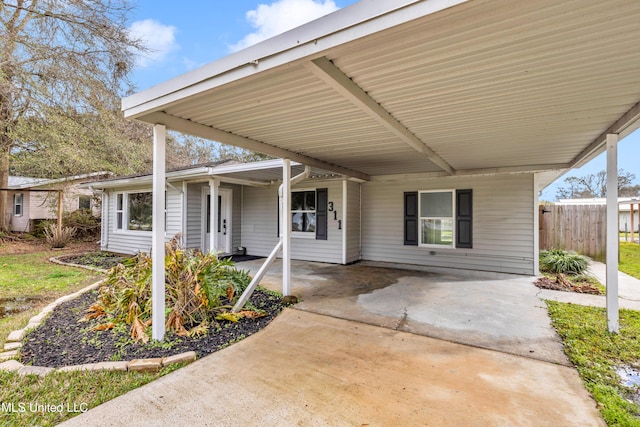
[[452, 218], [304, 234], [125, 212], [16, 204]]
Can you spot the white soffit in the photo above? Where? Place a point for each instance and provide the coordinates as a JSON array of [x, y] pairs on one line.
[[484, 84]]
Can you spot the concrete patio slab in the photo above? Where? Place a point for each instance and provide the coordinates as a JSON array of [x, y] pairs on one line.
[[310, 369], [488, 310]]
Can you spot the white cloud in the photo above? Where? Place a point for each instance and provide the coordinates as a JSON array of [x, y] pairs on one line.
[[158, 38], [280, 16]]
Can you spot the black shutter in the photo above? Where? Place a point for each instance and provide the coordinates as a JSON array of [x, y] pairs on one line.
[[464, 221], [411, 218], [321, 213], [278, 214]]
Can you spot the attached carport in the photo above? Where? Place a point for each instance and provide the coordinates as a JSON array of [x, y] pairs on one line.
[[432, 87]]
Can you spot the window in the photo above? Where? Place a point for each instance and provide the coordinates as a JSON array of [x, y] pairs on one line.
[[134, 211], [119, 211], [17, 204], [441, 218], [303, 211], [308, 214], [84, 202], [436, 218]]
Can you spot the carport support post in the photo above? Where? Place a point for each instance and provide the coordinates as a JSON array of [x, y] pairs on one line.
[[285, 211], [612, 233], [59, 219], [214, 186], [157, 241]]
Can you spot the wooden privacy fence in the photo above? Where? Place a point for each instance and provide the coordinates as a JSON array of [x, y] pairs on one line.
[[580, 228]]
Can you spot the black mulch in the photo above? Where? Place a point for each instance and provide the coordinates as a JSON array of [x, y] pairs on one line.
[[63, 339], [107, 260]]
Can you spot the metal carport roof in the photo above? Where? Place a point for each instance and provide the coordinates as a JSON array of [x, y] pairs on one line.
[[434, 86]]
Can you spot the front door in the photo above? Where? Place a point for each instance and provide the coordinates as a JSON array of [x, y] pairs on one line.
[[222, 226]]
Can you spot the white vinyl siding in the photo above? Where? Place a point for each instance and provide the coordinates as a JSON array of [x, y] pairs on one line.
[[503, 226], [353, 222], [173, 215], [133, 242], [194, 216], [236, 215], [260, 227]]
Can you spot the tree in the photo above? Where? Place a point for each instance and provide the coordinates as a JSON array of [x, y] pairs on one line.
[[595, 186], [82, 144], [187, 150], [64, 65]]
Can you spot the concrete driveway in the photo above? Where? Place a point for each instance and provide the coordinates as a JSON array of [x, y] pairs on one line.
[[489, 310], [377, 347]]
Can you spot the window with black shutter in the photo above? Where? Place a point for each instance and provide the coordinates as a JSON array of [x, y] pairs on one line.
[[411, 218], [464, 223], [309, 216], [438, 218]]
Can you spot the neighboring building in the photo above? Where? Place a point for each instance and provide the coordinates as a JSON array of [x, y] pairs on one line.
[[31, 199], [624, 209], [455, 222]]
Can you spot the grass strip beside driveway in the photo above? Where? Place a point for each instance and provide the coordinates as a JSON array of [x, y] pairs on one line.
[[31, 400], [597, 354]]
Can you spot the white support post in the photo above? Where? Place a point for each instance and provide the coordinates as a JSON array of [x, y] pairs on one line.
[[157, 242], [285, 230], [612, 233], [183, 213], [345, 189], [214, 186], [536, 227]]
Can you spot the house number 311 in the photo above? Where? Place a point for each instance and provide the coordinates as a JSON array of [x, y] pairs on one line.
[[335, 215]]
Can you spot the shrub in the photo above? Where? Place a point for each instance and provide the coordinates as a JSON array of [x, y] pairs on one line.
[[198, 288], [87, 226], [58, 238], [564, 262]]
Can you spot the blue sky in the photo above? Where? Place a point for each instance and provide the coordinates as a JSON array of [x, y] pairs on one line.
[[197, 32]]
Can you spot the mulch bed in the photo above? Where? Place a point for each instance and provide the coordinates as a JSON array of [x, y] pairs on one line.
[[561, 283], [64, 339], [97, 259]]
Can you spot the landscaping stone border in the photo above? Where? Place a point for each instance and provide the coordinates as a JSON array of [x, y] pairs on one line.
[[14, 342]]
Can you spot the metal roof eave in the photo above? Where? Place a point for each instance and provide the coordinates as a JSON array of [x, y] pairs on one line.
[[309, 40]]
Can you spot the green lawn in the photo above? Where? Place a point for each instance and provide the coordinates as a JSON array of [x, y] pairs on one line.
[[630, 259], [33, 275], [75, 391], [596, 354]]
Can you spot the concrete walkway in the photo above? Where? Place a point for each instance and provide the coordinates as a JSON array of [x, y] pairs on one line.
[[377, 346]]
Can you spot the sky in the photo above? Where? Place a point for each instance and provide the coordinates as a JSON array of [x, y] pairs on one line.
[[182, 38]]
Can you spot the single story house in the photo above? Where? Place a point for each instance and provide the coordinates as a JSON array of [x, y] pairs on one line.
[[442, 119], [33, 199], [456, 222], [625, 212]]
